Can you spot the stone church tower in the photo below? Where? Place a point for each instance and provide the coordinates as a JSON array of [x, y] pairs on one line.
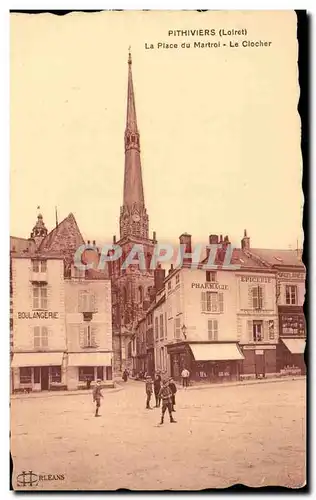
[[132, 287]]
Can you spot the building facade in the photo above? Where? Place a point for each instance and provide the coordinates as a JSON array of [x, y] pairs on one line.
[[229, 323], [290, 295], [61, 317]]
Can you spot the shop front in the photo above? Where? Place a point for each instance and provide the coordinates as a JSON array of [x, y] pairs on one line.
[[40, 371], [290, 355], [292, 341], [84, 369], [206, 361], [259, 360]]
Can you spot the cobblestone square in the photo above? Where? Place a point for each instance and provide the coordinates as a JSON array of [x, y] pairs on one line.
[[252, 434]]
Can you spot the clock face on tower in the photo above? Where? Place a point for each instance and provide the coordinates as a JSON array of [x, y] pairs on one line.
[[136, 218]]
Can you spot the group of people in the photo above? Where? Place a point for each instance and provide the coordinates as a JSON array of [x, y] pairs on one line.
[[164, 389], [165, 393]]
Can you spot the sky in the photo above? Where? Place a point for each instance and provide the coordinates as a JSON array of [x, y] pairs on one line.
[[219, 128]]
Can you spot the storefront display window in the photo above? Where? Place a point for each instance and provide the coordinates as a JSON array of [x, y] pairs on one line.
[[86, 373]]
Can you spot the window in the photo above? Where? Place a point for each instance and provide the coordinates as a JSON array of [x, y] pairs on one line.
[[257, 330], [39, 297], [177, 328], [271, 329], [156, 328], [177, 279], [169, 310], [40, 337], [169, 285], [140, 294], [37, 375], [162, 358], [88, 338], [210, 276], [212, 329], [291, 294], [100, 372], [212, 302], [257, 297], [161, 326], [166, 323], [86, 373], [55, 374], [86, 301], [26, 375], [39, 266], [178, 302]]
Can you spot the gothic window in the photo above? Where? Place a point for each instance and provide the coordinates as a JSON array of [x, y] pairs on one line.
[[140, 294], [124, 295]]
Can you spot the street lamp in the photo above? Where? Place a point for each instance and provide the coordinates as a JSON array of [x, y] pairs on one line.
[[184, 329]]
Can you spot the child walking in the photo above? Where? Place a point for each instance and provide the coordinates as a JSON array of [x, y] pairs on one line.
[[97, 395], [166, 396]]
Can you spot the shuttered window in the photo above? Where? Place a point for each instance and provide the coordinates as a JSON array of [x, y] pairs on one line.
[[88, 336], [156, 328], [257, 297], [178, 302], [177, 328], [250, 330], [212, 329], [161, 326], [212, 302], [87, 301]]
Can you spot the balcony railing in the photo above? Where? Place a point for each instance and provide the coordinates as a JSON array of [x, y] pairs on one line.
[[40, 277]]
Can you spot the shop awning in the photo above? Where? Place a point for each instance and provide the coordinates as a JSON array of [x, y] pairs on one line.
[[216, 352], [37, 359], [295, 346], [90, 359]]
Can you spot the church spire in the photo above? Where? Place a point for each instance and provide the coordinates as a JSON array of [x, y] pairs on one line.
[[133, 218]]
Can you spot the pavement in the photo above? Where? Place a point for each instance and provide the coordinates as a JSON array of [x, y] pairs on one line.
[[251, 434]]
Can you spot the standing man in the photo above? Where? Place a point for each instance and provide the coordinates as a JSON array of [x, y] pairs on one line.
[[97, 395], [166, 395], [173, 388], [157, 387], [149, 391], [185, 374]]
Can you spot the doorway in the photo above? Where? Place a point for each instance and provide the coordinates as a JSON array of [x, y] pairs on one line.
[[44, 378], [260, 365]]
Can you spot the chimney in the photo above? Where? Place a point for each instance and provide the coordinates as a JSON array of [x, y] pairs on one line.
[[159, 276], [152, 294], [221, 239], [185, 239], [93, 243], [88, 242], [154, 237], [171, 269], [245, 242], [213, 240]]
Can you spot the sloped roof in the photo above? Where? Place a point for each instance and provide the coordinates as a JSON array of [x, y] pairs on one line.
[[21, 245], [276, 258], [64, 239], [242, 259]]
